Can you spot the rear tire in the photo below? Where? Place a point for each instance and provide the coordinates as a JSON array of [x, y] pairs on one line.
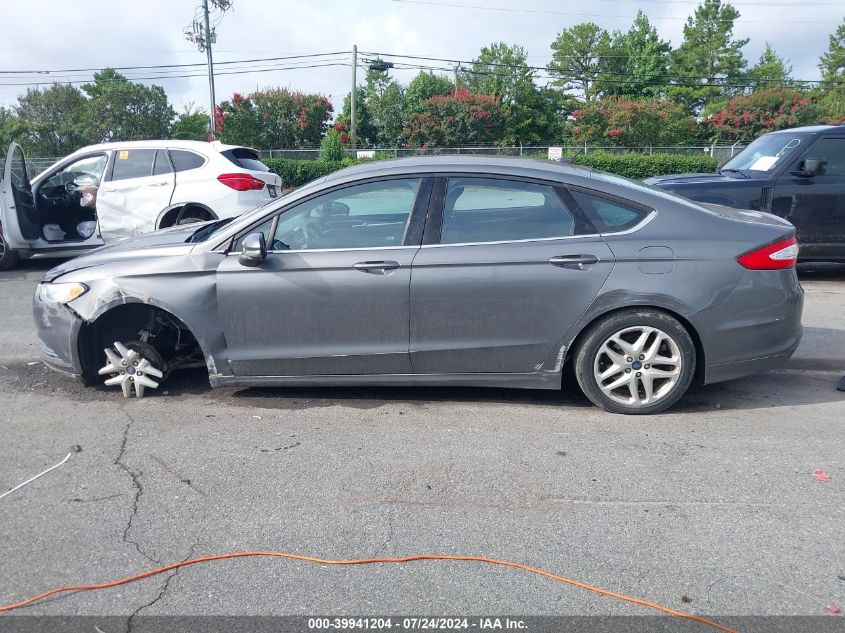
[[8, 257], [635, 362]]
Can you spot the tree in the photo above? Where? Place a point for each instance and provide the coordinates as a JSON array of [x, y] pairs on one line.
[[121, 110], [770, 70], [191, 124], [52, 121], [777, 108], [273, 118], [502, 71], [459, 119], [9, 128], [424, 86], [384, 105], [365, 131], [579, 55], [638, 62], [633, 123], [709, 59], [832, 67]]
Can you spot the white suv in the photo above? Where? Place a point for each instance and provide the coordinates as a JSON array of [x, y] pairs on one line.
[[111, 191]]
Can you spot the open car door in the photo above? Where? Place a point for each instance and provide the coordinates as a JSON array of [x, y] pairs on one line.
[[19, 216]]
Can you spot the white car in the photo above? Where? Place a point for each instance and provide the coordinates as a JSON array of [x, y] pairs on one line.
[[107, 192]]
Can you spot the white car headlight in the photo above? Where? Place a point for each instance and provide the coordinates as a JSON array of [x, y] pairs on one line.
[[62, 292]]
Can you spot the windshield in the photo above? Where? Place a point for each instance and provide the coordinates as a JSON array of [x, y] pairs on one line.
[[767, 152]]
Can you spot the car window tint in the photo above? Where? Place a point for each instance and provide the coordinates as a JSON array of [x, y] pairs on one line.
[[161, 164], [493, 210], [184, 160], [831, 151], [246, 158], [132, 163], [370, 215], [608, 216]]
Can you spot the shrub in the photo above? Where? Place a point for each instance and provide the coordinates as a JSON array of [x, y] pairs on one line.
[[331, 148], [295, 173], [457, 119], [638, 166], [633, 123]]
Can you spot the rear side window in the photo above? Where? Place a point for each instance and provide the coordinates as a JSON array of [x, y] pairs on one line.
[[607, 215], [133, 163], [494, 210], [184, 160], [245, 158]]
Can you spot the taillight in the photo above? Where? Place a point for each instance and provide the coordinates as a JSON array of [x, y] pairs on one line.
[[241, 182], [782, 254]]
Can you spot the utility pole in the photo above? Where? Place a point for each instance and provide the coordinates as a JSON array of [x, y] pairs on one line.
[[208, 40], [457, 67], [200, 33], [353, 97]]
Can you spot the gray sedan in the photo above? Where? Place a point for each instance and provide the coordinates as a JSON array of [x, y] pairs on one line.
[[440, 271]]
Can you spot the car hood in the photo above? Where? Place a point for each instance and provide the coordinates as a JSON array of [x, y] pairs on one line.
[[163, 243], [694, 179]]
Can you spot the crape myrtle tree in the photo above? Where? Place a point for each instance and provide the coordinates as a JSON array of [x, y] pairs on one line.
[[462, 118], [273, 118]]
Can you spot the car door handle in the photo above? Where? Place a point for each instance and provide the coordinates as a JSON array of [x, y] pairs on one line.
[[576, 262], [159, 184], [376, 268]]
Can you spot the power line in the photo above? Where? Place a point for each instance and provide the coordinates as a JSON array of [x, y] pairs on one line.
[[452, 5], [184, 76], [549, 69], [156, 66]]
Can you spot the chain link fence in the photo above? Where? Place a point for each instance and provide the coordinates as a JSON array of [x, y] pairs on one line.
[[722, 153]]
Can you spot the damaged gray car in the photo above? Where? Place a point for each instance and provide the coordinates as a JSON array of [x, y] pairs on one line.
[[440, 271]]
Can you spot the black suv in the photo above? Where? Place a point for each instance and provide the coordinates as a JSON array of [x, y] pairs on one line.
[[798, 174]]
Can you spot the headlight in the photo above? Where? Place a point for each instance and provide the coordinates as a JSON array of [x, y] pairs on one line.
[[62, 293]]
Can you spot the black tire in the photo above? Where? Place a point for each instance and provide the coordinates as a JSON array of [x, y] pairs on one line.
[[8, 257], [589, 357]]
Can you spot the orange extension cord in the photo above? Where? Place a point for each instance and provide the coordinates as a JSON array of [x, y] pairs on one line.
[[368, 561]]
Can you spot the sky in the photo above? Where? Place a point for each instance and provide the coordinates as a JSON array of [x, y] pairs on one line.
[[49, 35]]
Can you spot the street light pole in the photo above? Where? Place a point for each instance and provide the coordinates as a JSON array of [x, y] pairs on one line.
[[353, 97], [208, 38]]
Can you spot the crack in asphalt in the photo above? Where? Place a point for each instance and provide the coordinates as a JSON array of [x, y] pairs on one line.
[[137, 486], [164, 587]]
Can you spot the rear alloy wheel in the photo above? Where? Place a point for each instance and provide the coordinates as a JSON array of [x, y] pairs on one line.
[[133, 365], [635, 362], [8, 257]]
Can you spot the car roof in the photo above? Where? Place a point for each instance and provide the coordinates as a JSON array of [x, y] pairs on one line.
[[199, 146], [836, 130], [459, 163]]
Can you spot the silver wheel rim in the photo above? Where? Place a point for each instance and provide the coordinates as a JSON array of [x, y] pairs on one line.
[[638, 366], [128, 369]]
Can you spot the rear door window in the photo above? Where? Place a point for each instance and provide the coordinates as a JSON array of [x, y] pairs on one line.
[[497, 210], [184, 160], [133, 163]]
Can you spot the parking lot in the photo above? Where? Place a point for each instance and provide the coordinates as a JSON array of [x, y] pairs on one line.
[[711, 508]]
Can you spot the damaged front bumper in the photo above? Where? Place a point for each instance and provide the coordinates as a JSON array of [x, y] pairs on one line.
[[58, 329]]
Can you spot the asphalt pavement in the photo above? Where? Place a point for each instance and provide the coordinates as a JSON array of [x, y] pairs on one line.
[[711, 508]]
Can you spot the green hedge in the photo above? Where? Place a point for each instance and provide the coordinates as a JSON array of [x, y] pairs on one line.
[[295, 173], [638, 166]]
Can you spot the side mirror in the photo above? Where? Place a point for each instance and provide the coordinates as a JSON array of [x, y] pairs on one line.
[[810, 167], [254, 250]]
